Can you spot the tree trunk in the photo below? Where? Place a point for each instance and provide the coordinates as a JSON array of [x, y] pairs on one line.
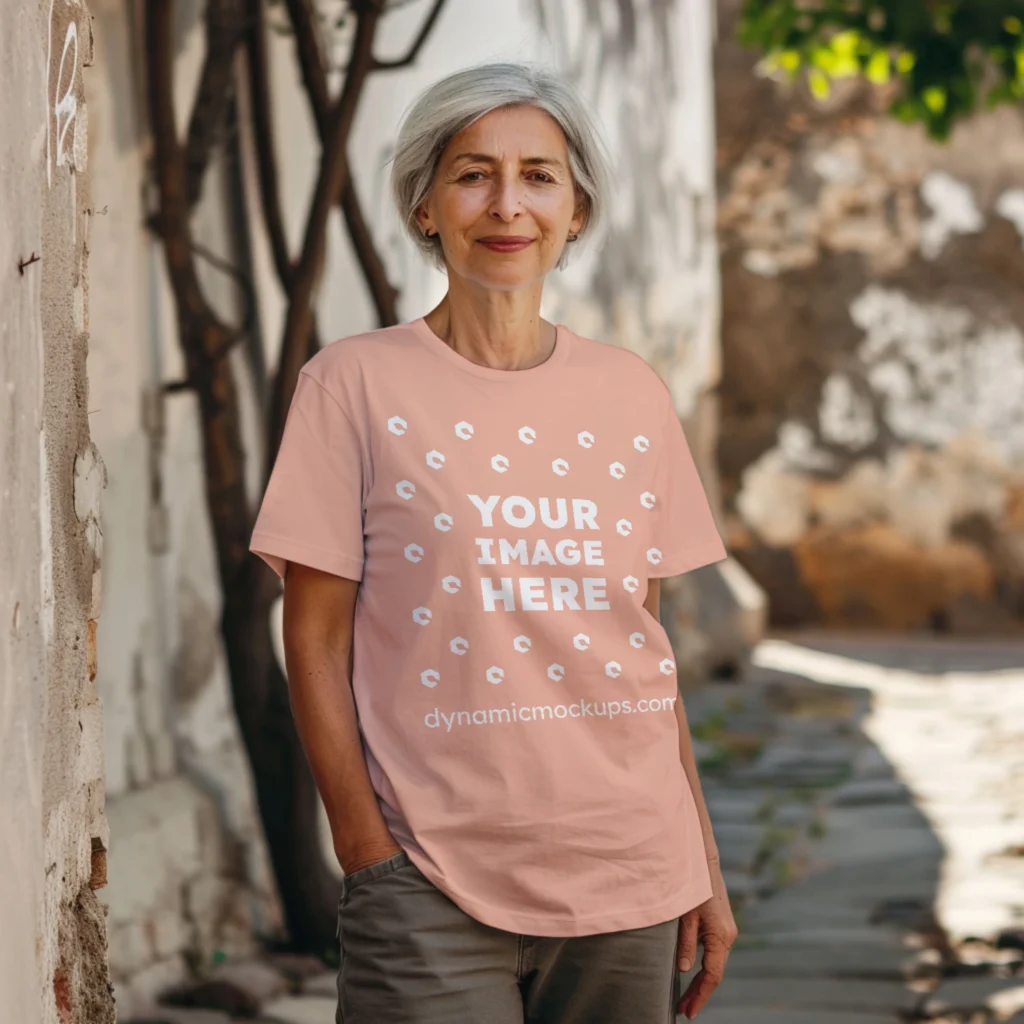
[[285, 790]]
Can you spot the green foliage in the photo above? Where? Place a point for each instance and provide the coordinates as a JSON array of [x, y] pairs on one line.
[[709, 728], [766, 810], [949, 57]]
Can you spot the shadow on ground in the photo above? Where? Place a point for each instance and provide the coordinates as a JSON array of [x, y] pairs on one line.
[[835, 868]]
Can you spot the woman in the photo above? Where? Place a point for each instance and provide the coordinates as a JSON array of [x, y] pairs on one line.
[[472, 513]]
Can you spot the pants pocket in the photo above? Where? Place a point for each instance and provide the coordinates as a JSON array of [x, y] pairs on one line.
[[371, 873]]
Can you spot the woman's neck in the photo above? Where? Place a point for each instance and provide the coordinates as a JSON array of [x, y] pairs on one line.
[[502, 330]]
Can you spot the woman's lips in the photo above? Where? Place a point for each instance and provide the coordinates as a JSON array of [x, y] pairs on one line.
[[506, 243]]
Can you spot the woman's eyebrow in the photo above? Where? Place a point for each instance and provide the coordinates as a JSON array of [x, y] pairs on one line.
[[550, 161]]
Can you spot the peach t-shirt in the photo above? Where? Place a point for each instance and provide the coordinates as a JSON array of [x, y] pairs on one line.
[[515, 697]]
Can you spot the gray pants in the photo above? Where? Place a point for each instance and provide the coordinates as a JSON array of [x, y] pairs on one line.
[[409, 955]]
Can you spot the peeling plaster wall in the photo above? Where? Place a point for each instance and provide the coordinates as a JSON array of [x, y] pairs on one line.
[[188, 868], [53, 957], [872, 431]]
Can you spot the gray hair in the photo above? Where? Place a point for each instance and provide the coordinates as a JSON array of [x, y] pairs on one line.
[[456, 101]]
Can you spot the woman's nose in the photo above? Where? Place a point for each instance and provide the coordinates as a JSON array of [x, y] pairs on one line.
[[507, 199]]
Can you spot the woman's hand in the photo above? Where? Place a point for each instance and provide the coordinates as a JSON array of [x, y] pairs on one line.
[[352, 861], [713, 925]]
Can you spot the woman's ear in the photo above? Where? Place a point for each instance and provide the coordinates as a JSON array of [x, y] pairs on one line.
[[579, 217], [425, 223]]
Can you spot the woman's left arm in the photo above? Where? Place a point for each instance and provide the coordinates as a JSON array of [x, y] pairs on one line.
[[712, 923]]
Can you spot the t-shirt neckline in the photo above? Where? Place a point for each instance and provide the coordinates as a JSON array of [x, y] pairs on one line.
[[530, 375]]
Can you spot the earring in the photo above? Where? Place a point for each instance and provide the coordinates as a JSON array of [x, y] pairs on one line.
[[573, 236], [428, 233]]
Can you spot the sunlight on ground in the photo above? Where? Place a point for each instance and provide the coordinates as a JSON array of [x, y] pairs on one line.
[[957, 740]]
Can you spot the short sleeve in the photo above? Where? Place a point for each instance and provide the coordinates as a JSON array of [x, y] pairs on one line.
[[684, 529], [312, 511]]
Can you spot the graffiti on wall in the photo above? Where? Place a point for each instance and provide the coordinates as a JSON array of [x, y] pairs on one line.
[[65, 131]]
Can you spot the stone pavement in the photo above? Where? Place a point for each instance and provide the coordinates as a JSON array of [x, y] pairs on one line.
[[880, 784], [868, 800]]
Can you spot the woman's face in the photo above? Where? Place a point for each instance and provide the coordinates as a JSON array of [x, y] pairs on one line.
[[503, 200]]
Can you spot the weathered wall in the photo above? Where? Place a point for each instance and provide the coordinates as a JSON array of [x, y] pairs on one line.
[[53, 962], [872, 432], [188, 869]]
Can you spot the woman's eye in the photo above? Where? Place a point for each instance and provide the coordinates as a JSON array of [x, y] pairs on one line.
[[471, 176]]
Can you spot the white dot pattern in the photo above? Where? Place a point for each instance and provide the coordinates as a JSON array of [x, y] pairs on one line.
[[444, 522]]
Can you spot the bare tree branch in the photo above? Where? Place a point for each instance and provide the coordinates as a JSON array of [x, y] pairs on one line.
[[382, 291], [332, 179], [263, 138], [413, 52], [205, 340], [172, 218], [241, 279], [225, 21], [311, 60]]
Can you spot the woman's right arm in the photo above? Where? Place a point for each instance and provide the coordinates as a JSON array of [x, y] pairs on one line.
[[319, 609]]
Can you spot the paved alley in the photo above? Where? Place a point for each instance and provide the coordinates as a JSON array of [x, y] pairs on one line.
[[869, 800], [868, 797]]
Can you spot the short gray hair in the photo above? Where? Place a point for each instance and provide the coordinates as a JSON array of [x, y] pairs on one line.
[[456, 101]]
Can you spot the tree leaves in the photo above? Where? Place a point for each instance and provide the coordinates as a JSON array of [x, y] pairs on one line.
[[949, 57]]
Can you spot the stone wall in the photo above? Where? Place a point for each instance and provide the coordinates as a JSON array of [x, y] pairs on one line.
[[872, 431], [53, 958]]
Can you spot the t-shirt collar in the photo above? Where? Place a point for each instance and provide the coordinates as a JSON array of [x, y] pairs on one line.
[[528, 376]]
